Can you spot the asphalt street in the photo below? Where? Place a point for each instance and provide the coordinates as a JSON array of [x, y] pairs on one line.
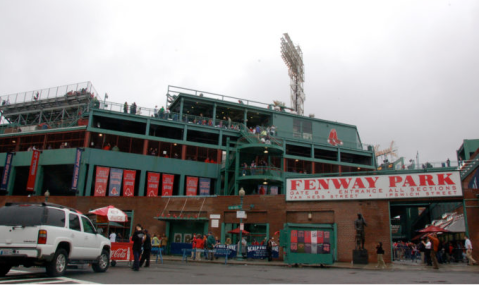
[[175, 272]]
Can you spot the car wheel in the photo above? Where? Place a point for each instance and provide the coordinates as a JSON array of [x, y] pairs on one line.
[[4, 268], [103, 262], [58, 265]]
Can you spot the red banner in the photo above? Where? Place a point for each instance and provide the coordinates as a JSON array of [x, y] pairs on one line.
[[32, 174], [167, 189], [191, 186], [153, 184], [129, 183], [101, 180]]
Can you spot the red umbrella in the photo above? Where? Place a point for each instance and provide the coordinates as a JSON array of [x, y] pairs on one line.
[[433, 229], [237, 231], [113, 214], [276, 233]]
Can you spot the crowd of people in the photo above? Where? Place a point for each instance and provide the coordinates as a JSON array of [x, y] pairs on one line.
[[432, 251], [143, 245], [255, 169]]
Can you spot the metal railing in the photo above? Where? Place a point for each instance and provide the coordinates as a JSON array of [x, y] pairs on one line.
[[175, 90], [48, 93], [261, 170]]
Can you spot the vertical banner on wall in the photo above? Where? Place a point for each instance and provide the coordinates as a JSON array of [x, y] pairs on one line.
[[273, 190], [32, 174], [101, 180], [6, 171], [129, 183], [191, 186], [205, 184], [116, 176], [167, 189], [262, 189], [76, 169], [153, 184]]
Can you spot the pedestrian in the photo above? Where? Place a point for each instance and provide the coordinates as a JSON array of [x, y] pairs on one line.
[[427, 251], [164, 243], [380, 254], [210, 244], [155, 244], [193, 247], [468, 246], [269, 248], [434, 250], [244, 246], [421, 249], [113, 237], [137, 239], [145, 256], [199, 246]]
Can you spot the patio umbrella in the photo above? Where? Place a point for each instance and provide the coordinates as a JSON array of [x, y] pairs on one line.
[[237, 231], [433, 229], [113, 214]]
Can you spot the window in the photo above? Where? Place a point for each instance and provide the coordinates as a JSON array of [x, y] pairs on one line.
[[87, 226], [302, 129], [55, 218], [74, 222], [21, 215]]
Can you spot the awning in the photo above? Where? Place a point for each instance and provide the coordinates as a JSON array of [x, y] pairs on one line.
[[458, 226]]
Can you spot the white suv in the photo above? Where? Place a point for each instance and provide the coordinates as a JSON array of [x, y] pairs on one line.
[[49, 235]]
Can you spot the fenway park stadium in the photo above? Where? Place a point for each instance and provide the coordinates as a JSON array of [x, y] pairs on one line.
[[207, 162]]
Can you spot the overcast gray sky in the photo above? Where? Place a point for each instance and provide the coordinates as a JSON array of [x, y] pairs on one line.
[[406, 71]]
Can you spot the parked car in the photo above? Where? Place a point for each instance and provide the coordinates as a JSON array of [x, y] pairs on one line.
[[49, 235]]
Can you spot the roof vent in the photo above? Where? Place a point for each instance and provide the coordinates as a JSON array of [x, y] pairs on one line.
[[311, 115]]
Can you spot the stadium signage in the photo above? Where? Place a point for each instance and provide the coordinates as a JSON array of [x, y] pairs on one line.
[[424, 185]]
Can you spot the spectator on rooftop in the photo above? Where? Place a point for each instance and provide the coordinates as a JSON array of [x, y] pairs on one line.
[[125, 107], [162, 112], [133, 108], [155, 111], [107, 147], [115, 148]]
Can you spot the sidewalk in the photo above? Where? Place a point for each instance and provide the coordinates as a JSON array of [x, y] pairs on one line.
[[396, 266]]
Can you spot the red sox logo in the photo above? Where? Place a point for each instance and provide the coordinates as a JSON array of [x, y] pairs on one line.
[[333, 138]]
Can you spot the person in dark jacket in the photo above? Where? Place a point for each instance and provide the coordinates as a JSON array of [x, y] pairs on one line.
[[269, 248], [210, 244], [137, 239], [380, 253], [145, 256]]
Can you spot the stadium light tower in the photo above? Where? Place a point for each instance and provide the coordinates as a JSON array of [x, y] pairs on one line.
[[293, 57]]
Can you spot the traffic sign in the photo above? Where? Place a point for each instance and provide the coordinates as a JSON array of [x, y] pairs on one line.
[[235, 207]]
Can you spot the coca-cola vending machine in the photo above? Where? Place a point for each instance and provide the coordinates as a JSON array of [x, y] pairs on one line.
[[121, 251]]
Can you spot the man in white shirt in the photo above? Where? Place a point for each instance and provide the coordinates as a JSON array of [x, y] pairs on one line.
[[113, 237], [468, 246]]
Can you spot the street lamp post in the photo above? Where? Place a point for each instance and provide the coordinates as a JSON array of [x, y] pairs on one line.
[[239, 254]]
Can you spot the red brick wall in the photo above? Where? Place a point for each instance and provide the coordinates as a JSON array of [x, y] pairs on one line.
[[267, 209]]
